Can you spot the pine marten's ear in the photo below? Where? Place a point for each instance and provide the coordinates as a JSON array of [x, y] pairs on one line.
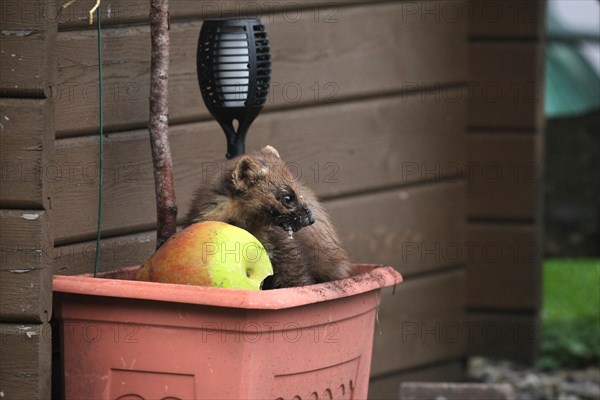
[[247, 172], [270, 150]]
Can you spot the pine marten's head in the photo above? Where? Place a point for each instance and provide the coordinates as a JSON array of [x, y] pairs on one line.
[[267, 194]]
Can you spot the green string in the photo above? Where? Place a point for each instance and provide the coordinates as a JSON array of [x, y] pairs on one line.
[[100, 135]]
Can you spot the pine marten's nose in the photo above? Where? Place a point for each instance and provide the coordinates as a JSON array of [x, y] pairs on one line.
[[310, 217]]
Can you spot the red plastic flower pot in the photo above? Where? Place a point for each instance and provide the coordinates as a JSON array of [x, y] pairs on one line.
[[123, 339]]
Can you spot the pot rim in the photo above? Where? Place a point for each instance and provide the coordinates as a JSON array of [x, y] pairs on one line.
[[368, 277]]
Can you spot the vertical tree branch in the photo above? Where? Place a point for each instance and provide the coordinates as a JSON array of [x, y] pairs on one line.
[[166, 207]]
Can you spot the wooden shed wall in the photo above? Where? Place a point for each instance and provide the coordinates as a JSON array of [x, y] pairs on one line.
[[26, 240], [369, 100], [504, 147]]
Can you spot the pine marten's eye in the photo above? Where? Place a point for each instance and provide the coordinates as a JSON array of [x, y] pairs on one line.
[[288, 198]]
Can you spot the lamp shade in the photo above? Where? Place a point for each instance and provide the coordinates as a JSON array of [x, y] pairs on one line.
[[234, 72]]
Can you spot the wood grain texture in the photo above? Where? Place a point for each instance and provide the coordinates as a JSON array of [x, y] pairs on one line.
[[136, 11], [504, 268], [25, 280], [504, 335], [423, 322], [387, 387], [313, 63], [504, 176], [26, 356], [26, 148], [28, 14], [416, 229], [27, 37], [116, 252], [506, 88], [338, 149], [506, 19]]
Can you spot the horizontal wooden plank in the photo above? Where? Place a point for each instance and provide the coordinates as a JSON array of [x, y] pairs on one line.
[[420, 236], [415, 229], [27, 14], [26, 354], [313, 62], [27, 37], [504, 268], [25, 280], [506, 19], [504, 176], [116, 252], [26, 148], [456, 391], [506, 336], [506, 88], [24, 63], [421, 323], [137, 11], [387, 387], [336, 149]]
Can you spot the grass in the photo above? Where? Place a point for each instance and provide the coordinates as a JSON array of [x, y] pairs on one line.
[[571, 289], [571, 313]]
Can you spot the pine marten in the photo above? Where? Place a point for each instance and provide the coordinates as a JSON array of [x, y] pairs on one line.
[[257, 192]]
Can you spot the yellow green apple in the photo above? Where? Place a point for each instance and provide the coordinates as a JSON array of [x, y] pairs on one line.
[[209, 254]]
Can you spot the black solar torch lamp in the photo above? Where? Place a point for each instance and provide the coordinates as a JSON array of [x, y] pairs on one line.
[[234, 72]]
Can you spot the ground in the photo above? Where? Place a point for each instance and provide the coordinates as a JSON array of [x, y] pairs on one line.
[[534, 384]]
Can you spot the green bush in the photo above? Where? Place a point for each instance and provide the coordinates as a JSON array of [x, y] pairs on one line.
[[571, 314]]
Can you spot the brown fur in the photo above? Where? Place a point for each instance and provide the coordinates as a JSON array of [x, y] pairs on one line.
[[251, 193]]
